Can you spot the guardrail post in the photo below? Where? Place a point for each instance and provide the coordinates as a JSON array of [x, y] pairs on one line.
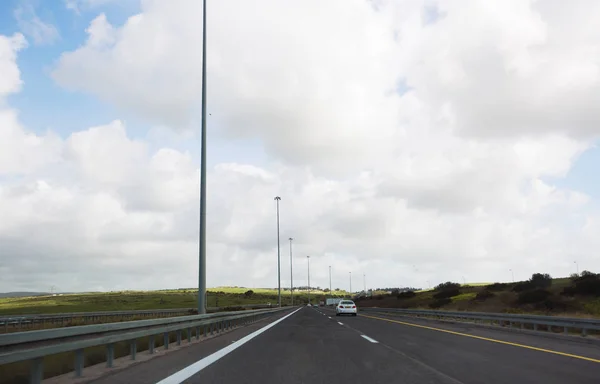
[[566, 330], [179, 337], [151, 344], [133, 349], [535, 326], [205, 330], [110, 355], [79, 363], [583, 332], [189, 335], [37, 370], [212, 329], [166, 340]]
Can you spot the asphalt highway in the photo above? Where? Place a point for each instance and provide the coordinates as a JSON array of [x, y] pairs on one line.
[[312, 345]]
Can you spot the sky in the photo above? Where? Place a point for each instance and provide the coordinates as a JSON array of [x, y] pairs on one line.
[[412, 142]]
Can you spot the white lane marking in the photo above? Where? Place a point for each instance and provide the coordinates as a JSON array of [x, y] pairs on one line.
[[368, 338], [329, 317], [340, 323], [191, 370]]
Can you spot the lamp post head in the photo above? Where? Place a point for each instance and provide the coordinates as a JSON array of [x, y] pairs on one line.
[[277, 198], [291, 238]]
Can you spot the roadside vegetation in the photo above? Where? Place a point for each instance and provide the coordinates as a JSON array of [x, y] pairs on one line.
[[163, 299], [577, 295]]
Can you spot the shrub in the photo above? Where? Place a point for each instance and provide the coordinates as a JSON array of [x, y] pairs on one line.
[[496, 287], [587, 284], [406, 295], [440, 302], [573, 276], [553, 304], [541, 280], [248, 293], [446, 286], [523, 286], [535, 296], [447, 293], [483, 295]]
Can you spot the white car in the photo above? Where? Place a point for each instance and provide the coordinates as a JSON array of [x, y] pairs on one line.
[[346, 307]]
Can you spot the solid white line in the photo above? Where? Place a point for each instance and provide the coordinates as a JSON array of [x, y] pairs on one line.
[[191, 370], [340, 323], [368, 338], [329, 317]]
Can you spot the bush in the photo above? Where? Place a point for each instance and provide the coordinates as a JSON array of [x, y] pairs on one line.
[[406, 295], [535, 296], [523, 286], [497, 287], [587, 284], [249, 293], [447, 293], [541, 280], [446, 286], [483, 295], [439, 303], [574, 276], [553, 304]]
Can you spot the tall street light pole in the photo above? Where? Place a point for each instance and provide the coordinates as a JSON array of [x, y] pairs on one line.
[[330, 293], [350, 283], [277, 199], [308, 260], [513, 274], [577, 266], [202, 229], [365, 283], [291, 272]]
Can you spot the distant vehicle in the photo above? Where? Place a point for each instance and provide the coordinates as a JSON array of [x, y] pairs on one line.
[[332, 301], [309, 305], [346, 307]]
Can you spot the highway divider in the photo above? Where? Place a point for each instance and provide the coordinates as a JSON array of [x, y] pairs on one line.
[[23, 322], [536, 323]]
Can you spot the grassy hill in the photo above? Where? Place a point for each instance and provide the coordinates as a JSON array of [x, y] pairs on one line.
[[578, 295], [163, 299]]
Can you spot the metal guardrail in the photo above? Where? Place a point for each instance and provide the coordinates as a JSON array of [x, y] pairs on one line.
[[500, 319], [25, 321], [35, 345]]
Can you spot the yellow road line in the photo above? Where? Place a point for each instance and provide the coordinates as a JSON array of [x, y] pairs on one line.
[[486, 339]]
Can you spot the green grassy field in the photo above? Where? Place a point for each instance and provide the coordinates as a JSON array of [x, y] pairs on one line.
[[140, 300]]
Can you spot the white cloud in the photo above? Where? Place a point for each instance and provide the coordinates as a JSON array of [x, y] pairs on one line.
[[10, 81], [451, 175], [31, 25], [79, 5]]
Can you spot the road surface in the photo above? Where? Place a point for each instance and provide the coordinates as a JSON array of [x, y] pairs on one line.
[[312, 345]]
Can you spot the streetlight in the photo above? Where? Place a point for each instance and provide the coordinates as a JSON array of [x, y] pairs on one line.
[[513, 274], [291, 272], [308, 260], [330, 293], [277, 199], [365, 283], [350, 283], [577, 266], [202, 229]]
